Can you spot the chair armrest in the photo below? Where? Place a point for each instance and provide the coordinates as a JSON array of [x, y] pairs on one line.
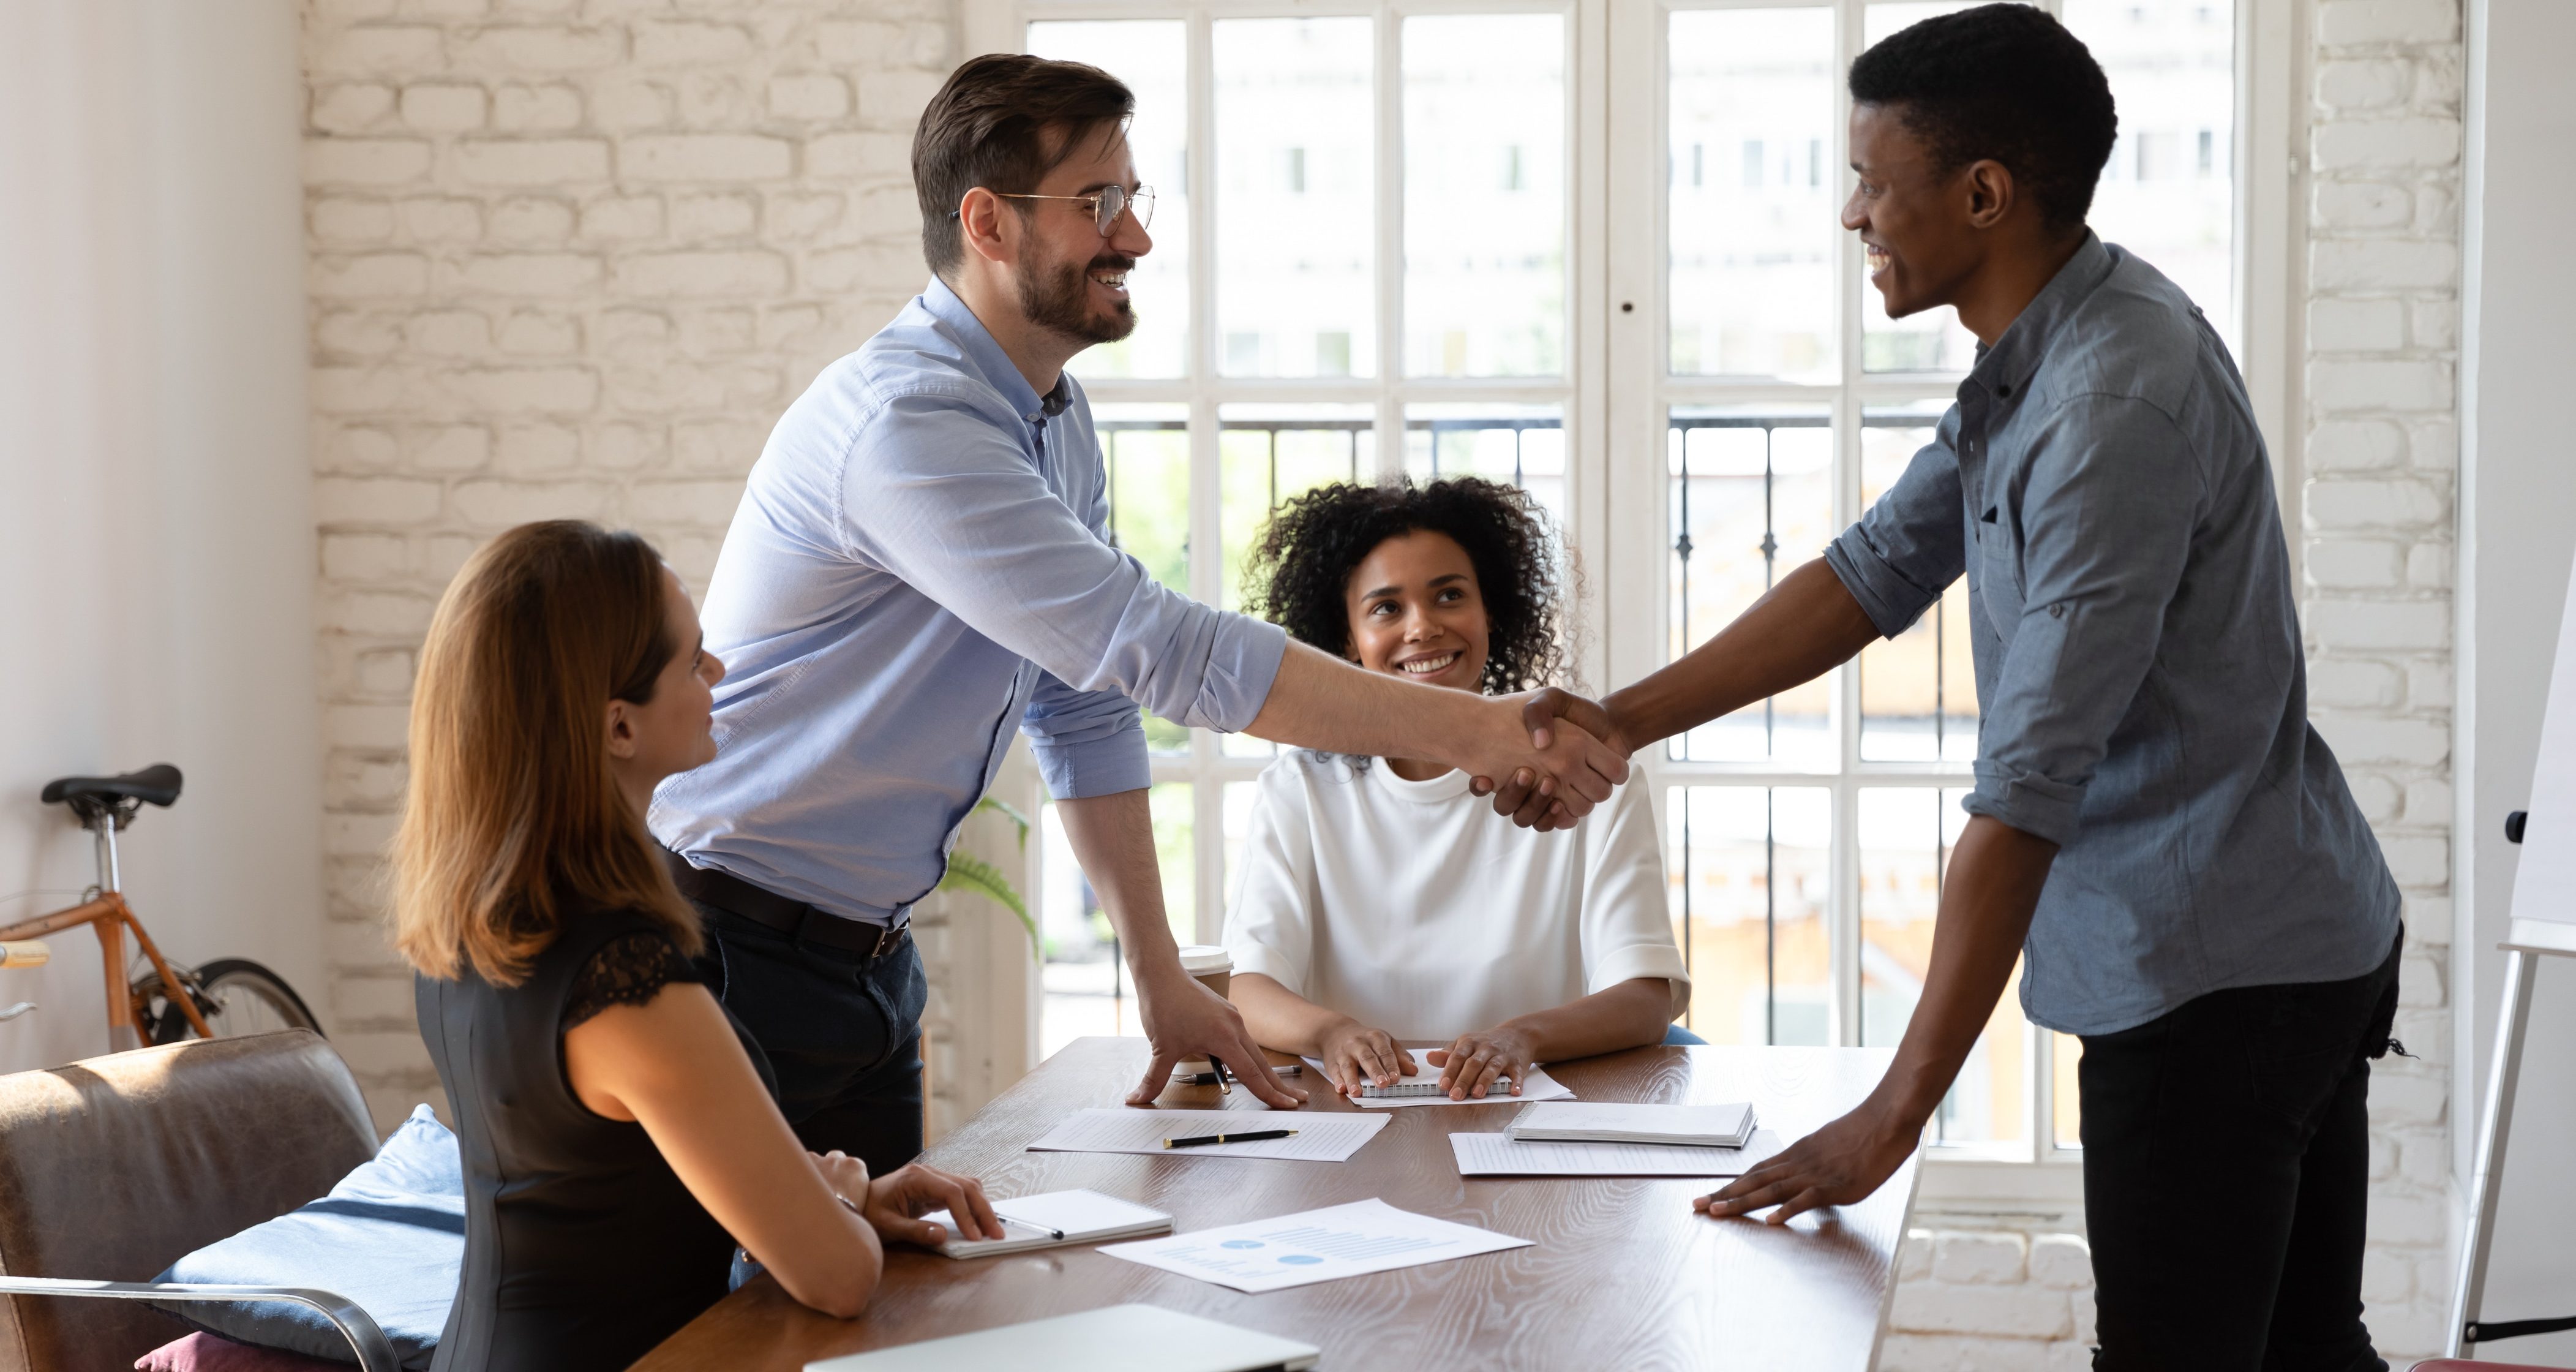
[[375, 1351]]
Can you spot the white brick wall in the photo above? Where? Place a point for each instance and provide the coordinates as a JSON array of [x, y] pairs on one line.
[[566, 260], [2381, 450]]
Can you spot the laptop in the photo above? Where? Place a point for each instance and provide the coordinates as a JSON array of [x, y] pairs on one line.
[[1120, 1338]]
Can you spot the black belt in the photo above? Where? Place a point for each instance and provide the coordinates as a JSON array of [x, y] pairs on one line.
[[797, 919]]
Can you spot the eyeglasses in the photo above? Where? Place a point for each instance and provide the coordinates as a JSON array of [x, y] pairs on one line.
[[1106, 206]]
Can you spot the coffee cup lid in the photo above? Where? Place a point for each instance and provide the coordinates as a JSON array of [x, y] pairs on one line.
[[1199, 959]]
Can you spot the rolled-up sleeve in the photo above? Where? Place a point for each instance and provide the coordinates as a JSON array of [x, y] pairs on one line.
[[1087, 743], [939, 495], [1901, 554], [2104, 519]]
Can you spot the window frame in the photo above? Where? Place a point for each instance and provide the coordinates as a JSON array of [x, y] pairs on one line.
[[1617, 391]]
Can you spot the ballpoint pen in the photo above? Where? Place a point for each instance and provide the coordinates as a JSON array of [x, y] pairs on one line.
[[1209, 1078], [1201, 1140], [1218, 1066], [1051, 1231]]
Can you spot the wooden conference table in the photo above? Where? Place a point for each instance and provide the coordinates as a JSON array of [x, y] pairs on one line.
[[1623, 1274]]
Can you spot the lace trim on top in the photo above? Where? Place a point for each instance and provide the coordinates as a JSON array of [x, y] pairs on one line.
[[630, 969]]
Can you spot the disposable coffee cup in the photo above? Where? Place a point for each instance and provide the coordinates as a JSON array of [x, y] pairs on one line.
[[1213, 968]]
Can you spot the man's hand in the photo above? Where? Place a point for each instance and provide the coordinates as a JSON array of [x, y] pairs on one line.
[[1354, 1056], [1471, 1066], [895, 1203], [1184, 1019], [1837, 1165], [1529, 798], [1562, 770]]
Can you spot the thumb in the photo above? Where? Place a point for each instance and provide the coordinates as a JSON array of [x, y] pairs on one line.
[[1157, 1077]]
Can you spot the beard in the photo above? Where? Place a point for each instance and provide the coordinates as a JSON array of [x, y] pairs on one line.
[[1058, 298]]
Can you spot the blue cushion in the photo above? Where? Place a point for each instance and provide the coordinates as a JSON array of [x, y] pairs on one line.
[[1676, 1036], [390, 1237]]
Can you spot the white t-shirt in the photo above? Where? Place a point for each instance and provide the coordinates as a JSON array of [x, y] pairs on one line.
[[1414, 908]]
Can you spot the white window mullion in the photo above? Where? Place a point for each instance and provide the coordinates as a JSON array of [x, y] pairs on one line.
[[1388, 88]]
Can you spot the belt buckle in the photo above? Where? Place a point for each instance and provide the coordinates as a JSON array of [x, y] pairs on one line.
[[889, 938]]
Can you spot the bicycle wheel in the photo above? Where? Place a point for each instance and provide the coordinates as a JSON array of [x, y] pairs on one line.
[[237, 996]]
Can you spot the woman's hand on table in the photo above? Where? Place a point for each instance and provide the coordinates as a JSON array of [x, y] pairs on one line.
[[894, 1203], [1475, 1064], [1355, 1055]]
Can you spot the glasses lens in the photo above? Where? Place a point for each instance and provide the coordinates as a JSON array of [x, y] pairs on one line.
[[1142, 206], [1112, 203]]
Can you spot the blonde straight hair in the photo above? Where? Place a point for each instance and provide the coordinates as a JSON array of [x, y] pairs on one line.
[[513, 820]]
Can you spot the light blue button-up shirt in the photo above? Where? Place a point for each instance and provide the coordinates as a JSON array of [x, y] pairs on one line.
[[921, 560], [2103, 486]]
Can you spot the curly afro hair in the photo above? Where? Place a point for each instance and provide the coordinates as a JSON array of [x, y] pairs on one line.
[[1299, 573]]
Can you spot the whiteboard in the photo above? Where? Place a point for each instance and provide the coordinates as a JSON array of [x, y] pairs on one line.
[[2544, 887]]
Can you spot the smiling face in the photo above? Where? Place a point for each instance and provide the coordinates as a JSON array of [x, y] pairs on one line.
[[1416, 611], [1071, 280], [673, 731], [1917, 223]]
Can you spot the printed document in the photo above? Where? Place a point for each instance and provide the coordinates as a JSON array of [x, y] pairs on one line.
[[1314, 1245], [1539, 1086], [1496, 1155], [1320, 1137]]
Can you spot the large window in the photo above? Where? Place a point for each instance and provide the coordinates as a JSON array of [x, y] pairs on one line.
[[1592, 247]]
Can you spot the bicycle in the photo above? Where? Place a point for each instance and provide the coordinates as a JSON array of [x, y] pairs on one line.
[[225, 998]]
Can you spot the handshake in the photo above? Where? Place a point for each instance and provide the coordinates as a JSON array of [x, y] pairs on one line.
[[1575, 754]]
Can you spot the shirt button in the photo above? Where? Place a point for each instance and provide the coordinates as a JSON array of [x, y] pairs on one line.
[[2057, 612]]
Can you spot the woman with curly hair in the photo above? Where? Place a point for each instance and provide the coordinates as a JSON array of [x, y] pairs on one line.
[[1380, 900]]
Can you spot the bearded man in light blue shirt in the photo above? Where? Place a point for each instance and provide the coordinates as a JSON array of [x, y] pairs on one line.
[[920, 562]]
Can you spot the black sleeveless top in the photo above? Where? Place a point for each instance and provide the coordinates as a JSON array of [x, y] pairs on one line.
[[582, 1247]]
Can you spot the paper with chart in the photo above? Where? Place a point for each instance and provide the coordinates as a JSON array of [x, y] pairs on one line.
[[1539, 1086], [1313, 1245], [1320, 1137], [1497, 1155]]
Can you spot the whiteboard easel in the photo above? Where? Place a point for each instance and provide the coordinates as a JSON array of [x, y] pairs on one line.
[[2544, 925]]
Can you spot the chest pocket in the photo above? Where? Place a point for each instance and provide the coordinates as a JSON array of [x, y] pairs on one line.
[[1998, 560]]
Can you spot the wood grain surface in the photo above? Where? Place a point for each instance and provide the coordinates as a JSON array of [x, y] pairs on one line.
[[1623, 1275]]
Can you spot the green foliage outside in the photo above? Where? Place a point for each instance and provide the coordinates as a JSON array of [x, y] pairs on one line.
[[967, 872]]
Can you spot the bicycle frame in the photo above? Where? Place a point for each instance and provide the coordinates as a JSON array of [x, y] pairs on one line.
[[109, 917]]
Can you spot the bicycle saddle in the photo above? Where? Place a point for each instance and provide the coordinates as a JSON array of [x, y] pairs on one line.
[[154, 785]]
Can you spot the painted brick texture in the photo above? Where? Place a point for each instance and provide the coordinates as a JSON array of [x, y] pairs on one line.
[[565, 260]]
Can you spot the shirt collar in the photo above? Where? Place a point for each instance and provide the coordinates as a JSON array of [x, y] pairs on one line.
[[987, 355], [2005, 367]]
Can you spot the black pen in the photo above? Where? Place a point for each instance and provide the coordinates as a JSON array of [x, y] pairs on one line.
[[1210, 1079], [1051, 1231], [1203, 1139]]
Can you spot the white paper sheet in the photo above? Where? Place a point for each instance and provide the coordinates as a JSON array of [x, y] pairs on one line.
[[1493, 1155], [1539, 1086], [1312, 1246], [1320, 1137]]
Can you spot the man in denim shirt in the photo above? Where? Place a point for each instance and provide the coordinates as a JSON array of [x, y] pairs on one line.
[[2156, 828]]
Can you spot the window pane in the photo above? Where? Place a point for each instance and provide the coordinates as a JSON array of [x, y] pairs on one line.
[[1267, 454], [1749, 869], [1296, 203], [1520, 444], [1753, 193], [1174, 823], [1484, 195], [1146, 449], [1151, 56], [1746, 487], [1906, 834], [1918, 690], [1932, 341], [2069, 1094], [1085, 988], [2169, 193]]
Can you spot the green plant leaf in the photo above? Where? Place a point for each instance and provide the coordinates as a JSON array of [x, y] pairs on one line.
[[1008, 811], [967, 872]]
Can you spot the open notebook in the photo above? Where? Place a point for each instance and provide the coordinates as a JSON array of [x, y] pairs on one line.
[[1035, 1221]]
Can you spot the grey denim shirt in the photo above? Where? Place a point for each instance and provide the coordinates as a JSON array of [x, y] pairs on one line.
[[2102, 484]]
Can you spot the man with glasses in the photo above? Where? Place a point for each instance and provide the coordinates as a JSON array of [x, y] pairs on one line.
[[920, 561]]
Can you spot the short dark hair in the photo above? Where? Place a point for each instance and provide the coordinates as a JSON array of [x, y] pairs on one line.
[[2006, 82], [990, 126], [1299, 573]]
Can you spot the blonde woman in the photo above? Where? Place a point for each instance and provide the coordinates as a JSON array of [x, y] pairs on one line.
[[619, 1131]]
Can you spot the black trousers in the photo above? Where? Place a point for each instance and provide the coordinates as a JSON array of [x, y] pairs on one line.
[[842, 1033], [2226, 1179]]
